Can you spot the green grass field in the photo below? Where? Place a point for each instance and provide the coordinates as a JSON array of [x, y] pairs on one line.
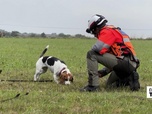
[[17, 62]]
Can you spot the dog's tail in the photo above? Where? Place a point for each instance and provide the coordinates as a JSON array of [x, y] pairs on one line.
[[44, 51]]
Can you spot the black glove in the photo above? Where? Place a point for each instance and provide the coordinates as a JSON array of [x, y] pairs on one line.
[[102, 73]]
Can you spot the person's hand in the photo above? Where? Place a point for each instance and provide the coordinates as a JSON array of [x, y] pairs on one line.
[[103, 72], [100, 75]]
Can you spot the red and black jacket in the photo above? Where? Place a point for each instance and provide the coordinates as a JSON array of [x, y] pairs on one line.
[[113, 40]]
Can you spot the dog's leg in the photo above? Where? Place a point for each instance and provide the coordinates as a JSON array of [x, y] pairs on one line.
[[38, 72], [36, 75], [56, 79]]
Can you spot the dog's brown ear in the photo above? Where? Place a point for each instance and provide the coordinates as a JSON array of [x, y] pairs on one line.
[[63, 73], [62, 77], [71, 79]]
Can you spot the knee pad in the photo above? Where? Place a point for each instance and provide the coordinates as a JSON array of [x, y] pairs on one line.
[[90, 54], [123, 68]]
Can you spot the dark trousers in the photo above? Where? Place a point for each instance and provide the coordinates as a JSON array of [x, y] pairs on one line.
[[108, 60]]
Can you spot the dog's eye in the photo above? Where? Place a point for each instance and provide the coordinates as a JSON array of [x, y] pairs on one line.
[[66, 79]]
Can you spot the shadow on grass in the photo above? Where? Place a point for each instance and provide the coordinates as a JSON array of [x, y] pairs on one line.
[[27, 81]]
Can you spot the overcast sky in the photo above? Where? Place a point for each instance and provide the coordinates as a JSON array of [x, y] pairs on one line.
[[71, 16]]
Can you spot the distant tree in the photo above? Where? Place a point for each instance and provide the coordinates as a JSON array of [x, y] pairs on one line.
[[53, 35], [79, 36], [7, 34], [62, 35], [43, 35], [1, 34], [32, 35], [24, 35], [68, 36], [15, 33]]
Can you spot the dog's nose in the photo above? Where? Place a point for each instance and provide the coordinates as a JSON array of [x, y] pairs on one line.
[[67, 83]]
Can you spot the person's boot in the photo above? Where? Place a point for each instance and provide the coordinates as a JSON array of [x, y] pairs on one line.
[[89, 88], [134, 81]]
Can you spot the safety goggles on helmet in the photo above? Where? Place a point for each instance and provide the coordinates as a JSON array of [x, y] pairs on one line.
[[94, 22]]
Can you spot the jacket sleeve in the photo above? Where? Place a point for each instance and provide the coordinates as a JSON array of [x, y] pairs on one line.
[[104, 42]]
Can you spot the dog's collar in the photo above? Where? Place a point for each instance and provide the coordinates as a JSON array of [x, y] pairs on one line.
[[61, 71]]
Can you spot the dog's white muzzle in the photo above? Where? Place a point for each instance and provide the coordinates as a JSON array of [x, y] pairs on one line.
[[67, 82]]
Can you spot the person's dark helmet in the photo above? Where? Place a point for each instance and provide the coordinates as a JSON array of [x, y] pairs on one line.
[[94, 22]]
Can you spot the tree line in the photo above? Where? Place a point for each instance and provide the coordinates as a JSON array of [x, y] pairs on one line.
[[4, 33]]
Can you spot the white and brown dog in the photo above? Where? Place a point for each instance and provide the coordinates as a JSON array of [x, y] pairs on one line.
[[61, 73]]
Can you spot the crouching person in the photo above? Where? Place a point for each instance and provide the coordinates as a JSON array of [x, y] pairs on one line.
[[113, 50]]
